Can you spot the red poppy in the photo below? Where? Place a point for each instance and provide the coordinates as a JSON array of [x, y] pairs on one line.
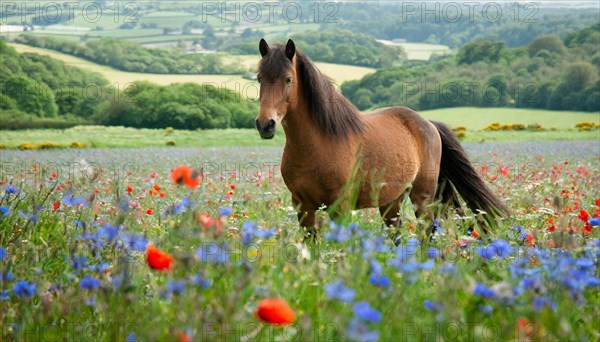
[[162, 195], [129, 189], [149, 211], [232, 186], [474, 234], [55, 205], [583, 215], [157, 259], [156, 187], [275, 311], [186, 175], [183, 337]]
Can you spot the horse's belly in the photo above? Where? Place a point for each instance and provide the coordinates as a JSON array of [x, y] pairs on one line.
[[314, 186]]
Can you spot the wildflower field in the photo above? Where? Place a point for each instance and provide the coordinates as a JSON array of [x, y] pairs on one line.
[[190, 244]]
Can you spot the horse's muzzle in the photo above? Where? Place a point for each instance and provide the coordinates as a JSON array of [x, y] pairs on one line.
[[266, 131]]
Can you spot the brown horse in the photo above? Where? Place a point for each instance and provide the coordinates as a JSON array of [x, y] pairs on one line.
[[329, 143]]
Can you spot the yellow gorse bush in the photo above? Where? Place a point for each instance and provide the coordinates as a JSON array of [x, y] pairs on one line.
[[28, 146], [496, 126], [586, 126], [49, 145]]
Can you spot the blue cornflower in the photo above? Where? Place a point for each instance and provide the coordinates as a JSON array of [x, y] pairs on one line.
[[375, 267], [89, 283], [498, 248], [213, 253], [131, 337], [135, 242], [359, 331], [365, 312], [338, 233], [225, 211], [486, 309], [543, 302], [6, 276], [30, 217], [585, 264], [429, 305], [4, 295], [433, 253], [198, 280], [406, 252], [4, 211], [108, 232], [70, 200], [337, 290], [2, 253], [101, 267], [437, 228], [79, 263], [10, 189], [483, 291], [374, 245], [521, 231], [379, 280], [485, 253], [501, 248], [595, 221], [175, 287], [250, 231], [91, 301], [24, 288]]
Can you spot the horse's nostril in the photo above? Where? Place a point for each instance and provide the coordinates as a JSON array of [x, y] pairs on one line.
[[271, 124]]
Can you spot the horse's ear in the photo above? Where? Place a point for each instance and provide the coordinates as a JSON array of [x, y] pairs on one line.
[[290, 49], [263, 47]]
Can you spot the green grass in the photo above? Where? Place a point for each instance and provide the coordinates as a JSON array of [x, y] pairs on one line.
[[420, 296], [99, 136], [478, 118]]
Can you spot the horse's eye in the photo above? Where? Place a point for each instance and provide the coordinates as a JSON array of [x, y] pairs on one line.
[[288, 79], [258, 80]]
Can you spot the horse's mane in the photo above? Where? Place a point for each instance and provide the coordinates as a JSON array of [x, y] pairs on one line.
[[332, 112]]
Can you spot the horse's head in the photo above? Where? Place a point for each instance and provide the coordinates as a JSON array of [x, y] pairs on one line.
[[278, 85]]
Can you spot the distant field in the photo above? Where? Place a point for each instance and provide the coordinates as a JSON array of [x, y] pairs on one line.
[[99, 136], [339, 73], [478, 118], [419, 51]]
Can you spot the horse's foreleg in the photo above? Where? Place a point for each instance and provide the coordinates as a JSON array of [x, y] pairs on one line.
[[306, 218]]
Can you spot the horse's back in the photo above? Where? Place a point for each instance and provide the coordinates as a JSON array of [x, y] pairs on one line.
[[407, 126]]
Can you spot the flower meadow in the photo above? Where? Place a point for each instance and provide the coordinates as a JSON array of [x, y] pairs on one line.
[[188, 244]]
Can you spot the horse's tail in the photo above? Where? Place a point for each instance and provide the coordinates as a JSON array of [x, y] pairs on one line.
[[456, 168]]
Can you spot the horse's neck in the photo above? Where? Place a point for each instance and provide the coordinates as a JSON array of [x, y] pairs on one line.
[[302, 135]]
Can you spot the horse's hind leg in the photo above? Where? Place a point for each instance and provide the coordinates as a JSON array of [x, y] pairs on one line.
[[421, 196], [391, 215]]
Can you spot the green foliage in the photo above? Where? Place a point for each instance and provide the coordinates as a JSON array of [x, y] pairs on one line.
[[550, 43], [479, 50], [435, 22], [338, 46], [129, 56], [544, 75], [181, 106], [38, 91]]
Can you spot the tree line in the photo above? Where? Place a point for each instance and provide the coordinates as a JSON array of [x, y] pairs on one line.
[[130, 56], [338, 46], [39, 91], [548, 73]]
